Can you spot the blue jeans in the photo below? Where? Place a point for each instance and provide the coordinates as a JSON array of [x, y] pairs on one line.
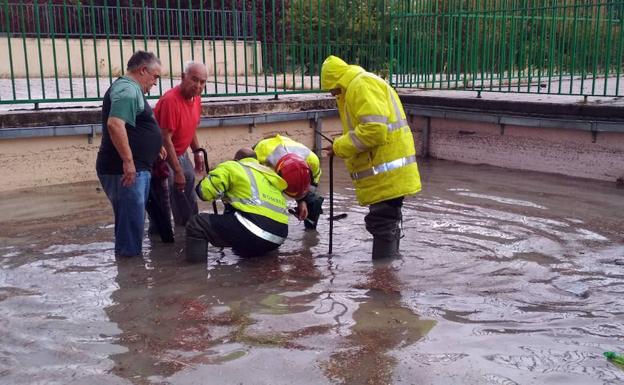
[[129, 210]]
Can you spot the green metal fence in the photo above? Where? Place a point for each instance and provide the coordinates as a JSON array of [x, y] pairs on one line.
[[71, 51], [555, 46]]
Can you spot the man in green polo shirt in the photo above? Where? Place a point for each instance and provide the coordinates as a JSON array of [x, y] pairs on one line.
[[131, 142]]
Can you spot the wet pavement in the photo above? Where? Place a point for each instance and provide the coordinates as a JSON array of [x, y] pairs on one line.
[[506, 277]]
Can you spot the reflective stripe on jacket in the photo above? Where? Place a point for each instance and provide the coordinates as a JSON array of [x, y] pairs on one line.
[[377, 143], [249, 187], [271, 150]]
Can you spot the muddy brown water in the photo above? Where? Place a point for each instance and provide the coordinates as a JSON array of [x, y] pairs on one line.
[[506, 277]]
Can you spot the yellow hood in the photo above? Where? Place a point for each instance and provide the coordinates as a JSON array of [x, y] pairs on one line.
[[335, 73]]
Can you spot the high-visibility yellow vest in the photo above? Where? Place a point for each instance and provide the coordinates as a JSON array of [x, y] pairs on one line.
[[377, 143], [271, 150], [249, 187]]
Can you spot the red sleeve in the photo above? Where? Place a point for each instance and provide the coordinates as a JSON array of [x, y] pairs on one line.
[[166, 113]]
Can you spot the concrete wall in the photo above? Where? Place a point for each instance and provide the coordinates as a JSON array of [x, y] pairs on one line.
[[555, 150], [59, 48], [33, 162]]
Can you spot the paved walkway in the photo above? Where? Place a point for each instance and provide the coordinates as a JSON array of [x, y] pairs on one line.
[[82, 88], [232, 87]]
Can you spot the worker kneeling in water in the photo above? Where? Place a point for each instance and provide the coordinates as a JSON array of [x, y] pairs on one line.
[[255, 220], [300, 168]]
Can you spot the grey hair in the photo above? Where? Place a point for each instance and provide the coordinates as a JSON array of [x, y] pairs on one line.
[[142, 58], [189, 64]]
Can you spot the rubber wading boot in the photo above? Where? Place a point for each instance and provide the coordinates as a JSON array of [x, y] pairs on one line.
[[384, 248], [196, 249], [315, 209]]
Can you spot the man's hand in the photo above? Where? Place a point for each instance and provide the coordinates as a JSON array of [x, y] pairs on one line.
[[129, 174], [329, 149], [302, 210], [179, 181], [198, 159], [163, 153]]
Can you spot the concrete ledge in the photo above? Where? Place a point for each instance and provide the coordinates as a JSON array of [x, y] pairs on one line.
[[583, 123], [85, 116], [64, 117], [470, 105], [577, 111]]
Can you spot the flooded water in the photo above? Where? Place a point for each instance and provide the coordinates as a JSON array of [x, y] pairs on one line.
[[506, 278]]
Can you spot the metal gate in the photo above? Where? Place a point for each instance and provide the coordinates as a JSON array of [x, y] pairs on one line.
[[572, 47]]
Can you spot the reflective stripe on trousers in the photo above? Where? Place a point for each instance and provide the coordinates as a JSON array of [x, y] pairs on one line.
[[384, 167], [259, 232]]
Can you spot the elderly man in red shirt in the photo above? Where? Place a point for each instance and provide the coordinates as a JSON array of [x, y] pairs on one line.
[[178, 112]]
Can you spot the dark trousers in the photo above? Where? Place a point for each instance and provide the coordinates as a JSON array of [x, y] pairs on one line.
[[315, 209], [183, 204], [383, 222], [223, 230]]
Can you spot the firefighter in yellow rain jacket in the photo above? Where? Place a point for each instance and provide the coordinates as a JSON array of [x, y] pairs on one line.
[[377, 146], [300, 168], [255, 220]]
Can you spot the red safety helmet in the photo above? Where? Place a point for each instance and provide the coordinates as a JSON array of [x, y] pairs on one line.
[[296, 173]]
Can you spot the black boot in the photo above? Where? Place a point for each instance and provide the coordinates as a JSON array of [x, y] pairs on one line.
[[398, 241], [315, 208], [196, 249], [385, 248]]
